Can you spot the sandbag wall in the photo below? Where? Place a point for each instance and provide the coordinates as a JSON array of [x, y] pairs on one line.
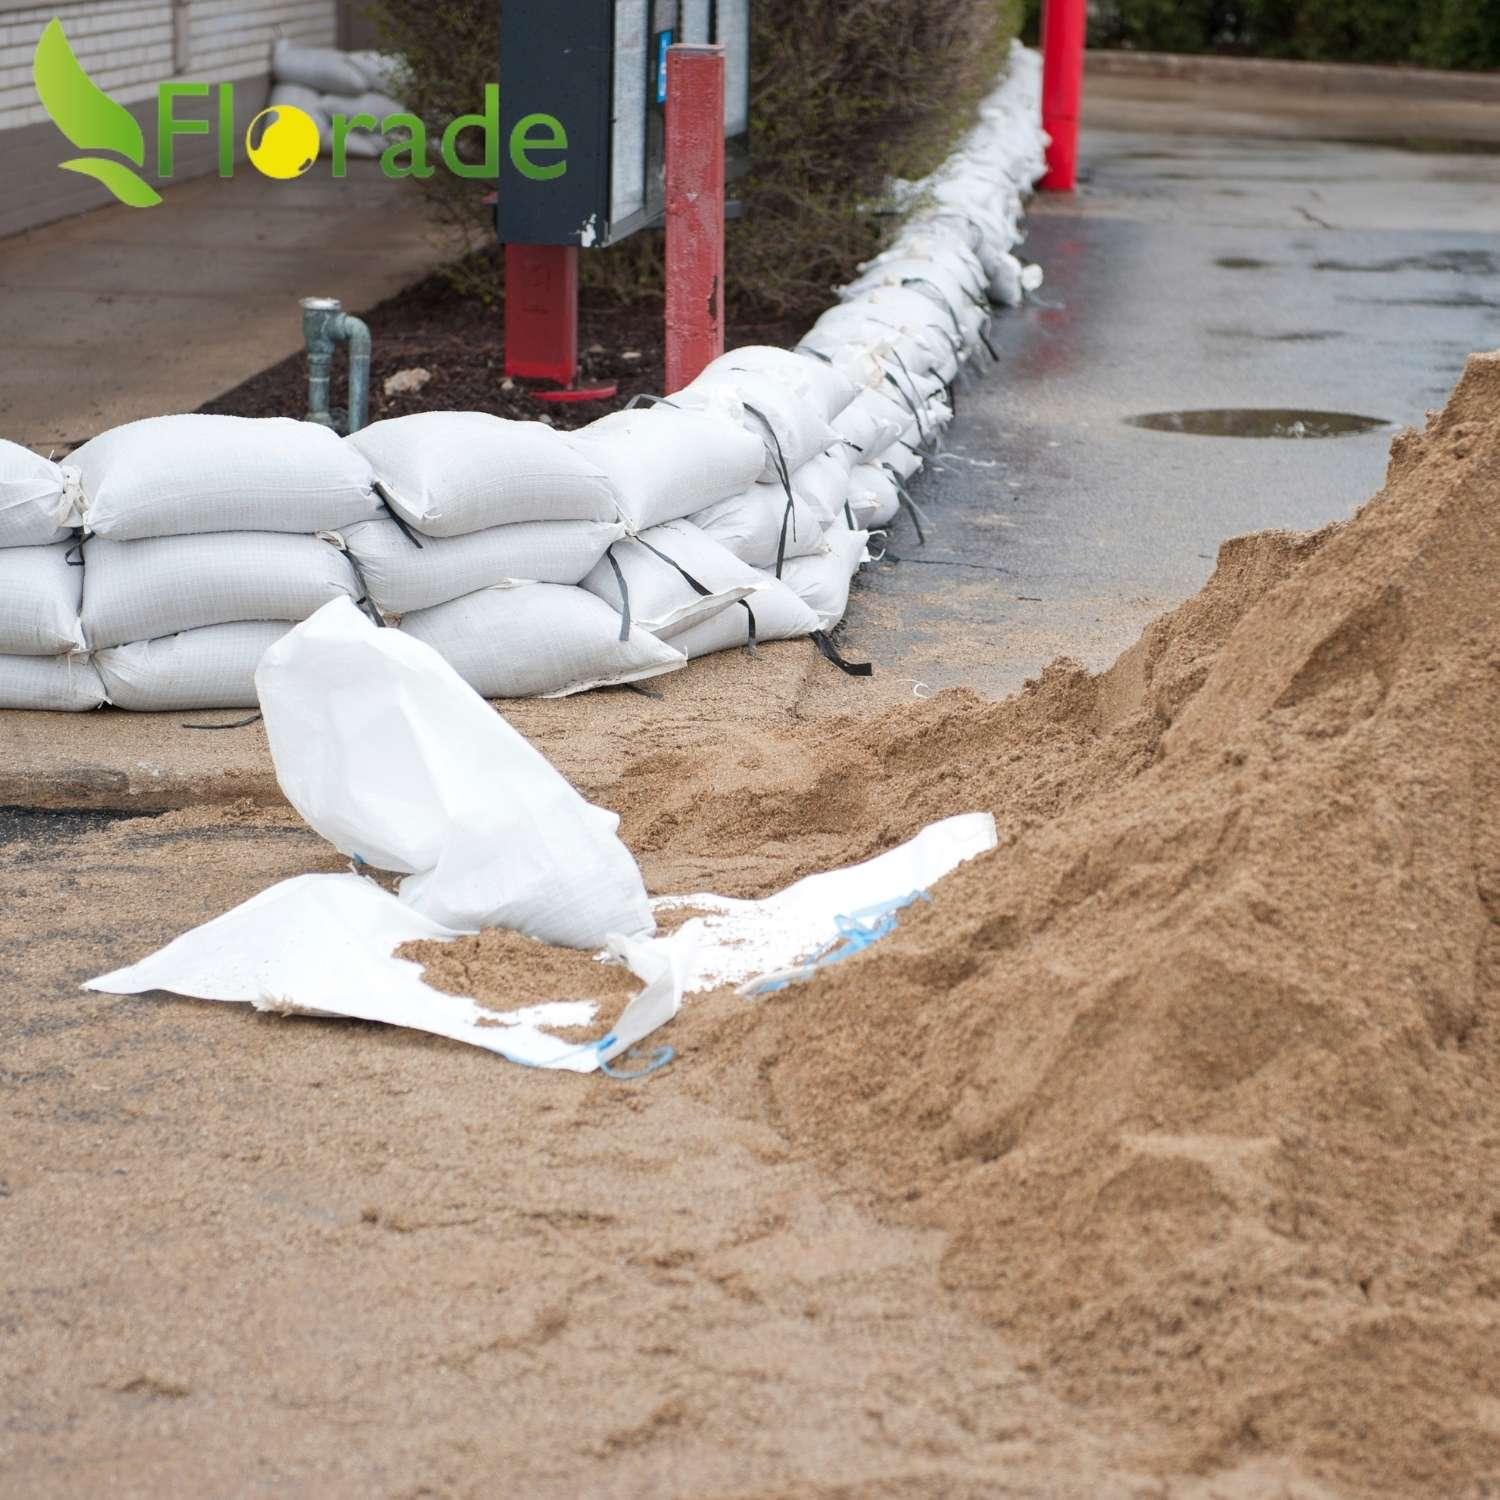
[[155, 567]]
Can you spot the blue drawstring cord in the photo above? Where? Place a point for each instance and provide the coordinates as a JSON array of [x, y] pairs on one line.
[[856, 932]]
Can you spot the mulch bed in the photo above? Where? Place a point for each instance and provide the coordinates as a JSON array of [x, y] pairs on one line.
[[460, 341]]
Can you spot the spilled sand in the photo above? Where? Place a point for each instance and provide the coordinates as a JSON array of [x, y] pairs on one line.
[[1157, 1157]]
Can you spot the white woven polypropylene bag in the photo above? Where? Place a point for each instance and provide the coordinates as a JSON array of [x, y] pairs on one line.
[[38, 498], [39, 596], [674, 575], [137, 591], [873, 497], [815, 380], [324, 69], [871, 423], [779, 615], [786, 415], [822, 582], [666, 462], [177, 476], [402, 575], [60, 684], [209, 668], [452, 472], [538, 640], [757, 526]]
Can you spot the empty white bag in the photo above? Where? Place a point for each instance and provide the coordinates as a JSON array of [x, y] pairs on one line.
[[403, 575], [388, 754], [38, 498], [39, 596], [137, 591], [538, 640], [173, 476], [209, 668], [452, 472]]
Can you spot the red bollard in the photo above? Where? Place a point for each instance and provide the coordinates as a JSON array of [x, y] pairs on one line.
[[1064, 23], [694, 211], [541, 312]]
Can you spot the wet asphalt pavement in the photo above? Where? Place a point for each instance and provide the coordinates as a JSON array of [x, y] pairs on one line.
[[1189, 272]]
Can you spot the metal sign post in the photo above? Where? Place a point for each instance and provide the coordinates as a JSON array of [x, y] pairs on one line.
[[695, 211]]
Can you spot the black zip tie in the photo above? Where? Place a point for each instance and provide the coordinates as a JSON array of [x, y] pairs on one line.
[[235, 724], [385, 500], [609, 552], [821, 640]]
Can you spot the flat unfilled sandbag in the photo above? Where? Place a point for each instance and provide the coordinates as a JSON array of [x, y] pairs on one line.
[[38, 498], [39, 595], [139, 591], [180, 475], [449, 473], [61, 684], [538, 640], [403, 575], [209, 668]]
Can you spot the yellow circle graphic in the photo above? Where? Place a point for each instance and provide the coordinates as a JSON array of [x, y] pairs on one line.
[[288, 145]]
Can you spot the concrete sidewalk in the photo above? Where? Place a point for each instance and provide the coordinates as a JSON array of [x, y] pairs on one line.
[[124, 313]]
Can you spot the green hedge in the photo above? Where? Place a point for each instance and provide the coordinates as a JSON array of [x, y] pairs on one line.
[[1434, 34], [844, 94]]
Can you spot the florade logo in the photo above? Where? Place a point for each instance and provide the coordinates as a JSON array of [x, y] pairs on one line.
[[282, 141], [90, 119]]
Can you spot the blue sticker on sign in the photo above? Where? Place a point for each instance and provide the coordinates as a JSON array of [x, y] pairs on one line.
[[663, 41]]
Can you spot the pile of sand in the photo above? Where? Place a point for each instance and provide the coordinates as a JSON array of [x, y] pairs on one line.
[[1201, 1068]]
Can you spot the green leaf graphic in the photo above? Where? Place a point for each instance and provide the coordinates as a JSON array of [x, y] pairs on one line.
[[80, 109], [117, 177]]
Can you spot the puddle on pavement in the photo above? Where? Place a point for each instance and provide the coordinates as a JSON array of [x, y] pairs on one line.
[[1263, 335], [1452, 262], [1258, 422], [1242, 263]]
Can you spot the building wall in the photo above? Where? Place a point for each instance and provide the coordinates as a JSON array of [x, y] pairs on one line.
[[128, 47]]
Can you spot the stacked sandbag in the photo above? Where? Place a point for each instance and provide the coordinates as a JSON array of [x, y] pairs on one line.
[[201, 548], [323, 82], [492, 526], [42, 660]]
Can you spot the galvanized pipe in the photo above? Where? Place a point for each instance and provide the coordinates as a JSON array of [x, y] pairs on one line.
[[325, 325]]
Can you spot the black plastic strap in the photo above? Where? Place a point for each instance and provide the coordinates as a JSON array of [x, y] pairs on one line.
[[941, 300], [750, 644], [816, 353], [233, 724], [645, 398], [390, 510], [913, 509], [854, 668], [68, 555], [692, 582], [789, 515], [609, 552]]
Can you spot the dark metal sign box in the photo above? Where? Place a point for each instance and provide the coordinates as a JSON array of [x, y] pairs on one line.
[[598, 66]]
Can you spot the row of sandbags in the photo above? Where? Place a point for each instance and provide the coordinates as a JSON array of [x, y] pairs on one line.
[[323, 82], [154, 568]]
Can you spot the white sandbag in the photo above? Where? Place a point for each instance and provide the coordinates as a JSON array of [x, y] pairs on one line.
[[59, 684], [873, 497], [675, 576], [822, 384], [388, 755], [326, 70], [401, 575], [39, 499], [666, 462], [310, 102], [902, 460], [138, 591], [180, 475], [822, 582], [362, 141], [538, 640], [370, 102], [823, 481], [855, 325], [871, 423], [779, 615], [786, 416], [452, 472], [756, 525], [40, 593], [383, 71], [209, 668]]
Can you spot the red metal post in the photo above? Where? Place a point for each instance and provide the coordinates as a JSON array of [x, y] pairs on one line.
[[541, 312], [695, 211], [1063, 25]]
